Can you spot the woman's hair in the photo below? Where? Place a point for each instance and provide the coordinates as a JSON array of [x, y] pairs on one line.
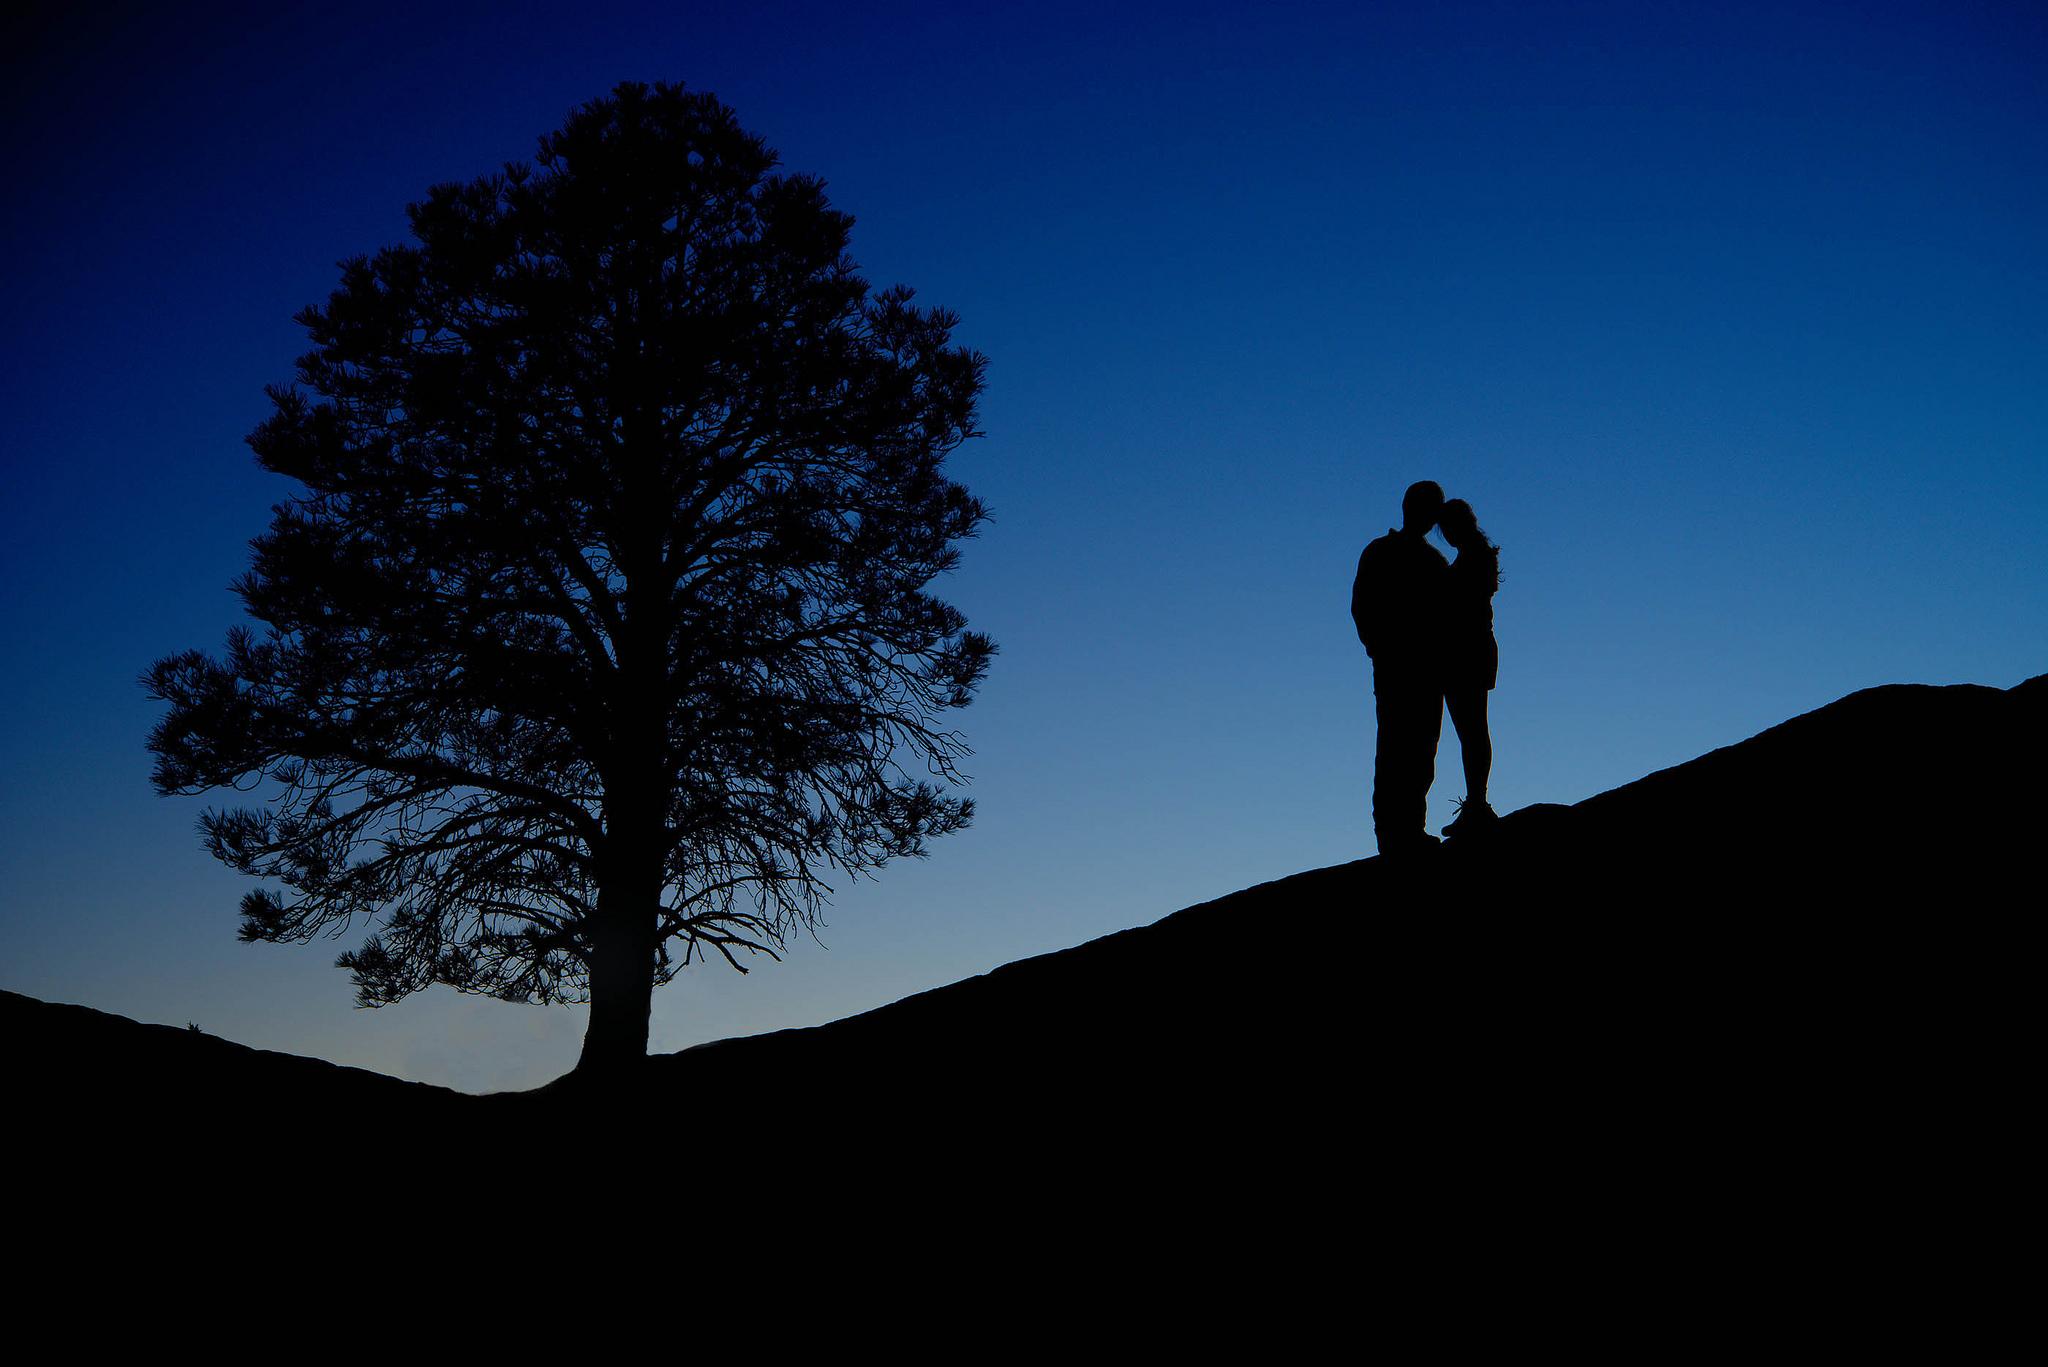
[[1458, 510]]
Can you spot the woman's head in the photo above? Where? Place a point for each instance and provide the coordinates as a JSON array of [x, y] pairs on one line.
[[1460, 527]]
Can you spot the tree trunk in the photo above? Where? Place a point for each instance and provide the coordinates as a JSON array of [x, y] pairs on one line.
[[636, 798], [621, 987]]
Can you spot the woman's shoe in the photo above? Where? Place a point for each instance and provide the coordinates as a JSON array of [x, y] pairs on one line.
[[1471, 815]]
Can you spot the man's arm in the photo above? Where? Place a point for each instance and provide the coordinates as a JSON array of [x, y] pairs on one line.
[[1363, 601]]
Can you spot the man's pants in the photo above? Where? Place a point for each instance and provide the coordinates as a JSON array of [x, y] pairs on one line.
[[1411, 718]]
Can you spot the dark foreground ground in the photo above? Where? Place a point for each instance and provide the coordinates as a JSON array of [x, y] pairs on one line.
[[1792, 983]]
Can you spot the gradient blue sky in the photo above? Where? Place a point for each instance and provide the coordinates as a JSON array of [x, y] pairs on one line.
[[1729, 319]]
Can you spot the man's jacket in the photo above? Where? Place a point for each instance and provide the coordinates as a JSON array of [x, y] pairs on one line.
[[1397, 600]]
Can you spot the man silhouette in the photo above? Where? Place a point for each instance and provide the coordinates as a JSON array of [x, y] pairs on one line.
[[1397, 605]]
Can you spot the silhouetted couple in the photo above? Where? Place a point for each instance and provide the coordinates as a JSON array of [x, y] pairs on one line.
[[1428, 625]]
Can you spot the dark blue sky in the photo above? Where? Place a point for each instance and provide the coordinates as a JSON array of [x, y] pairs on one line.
[[1728, 319]]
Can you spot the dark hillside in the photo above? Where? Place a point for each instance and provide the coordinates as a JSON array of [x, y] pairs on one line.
[[1809, 955], [1854, 872]]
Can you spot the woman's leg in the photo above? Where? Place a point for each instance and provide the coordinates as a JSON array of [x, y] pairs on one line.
[[1468, 715]]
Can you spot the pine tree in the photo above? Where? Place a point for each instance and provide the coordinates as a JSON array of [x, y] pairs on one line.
[[599, 635]]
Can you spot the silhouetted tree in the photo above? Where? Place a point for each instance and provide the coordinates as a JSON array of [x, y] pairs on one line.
[[600, 628]]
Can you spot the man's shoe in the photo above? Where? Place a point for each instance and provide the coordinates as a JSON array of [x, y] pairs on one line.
[[1404, 846], [1471, 816]]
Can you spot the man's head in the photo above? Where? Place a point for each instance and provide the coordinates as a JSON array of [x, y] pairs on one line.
[[1421, 505]]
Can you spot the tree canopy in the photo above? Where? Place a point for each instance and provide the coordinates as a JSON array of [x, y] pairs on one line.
[[599, 635]]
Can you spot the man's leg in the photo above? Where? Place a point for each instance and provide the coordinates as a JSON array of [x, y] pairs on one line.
[[1411, 718]]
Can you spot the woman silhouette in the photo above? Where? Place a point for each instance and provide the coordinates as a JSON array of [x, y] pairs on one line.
[[1471, 656]]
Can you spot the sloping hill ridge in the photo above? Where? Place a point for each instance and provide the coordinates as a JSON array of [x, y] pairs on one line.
[[1832, 918], [1863, 872]]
